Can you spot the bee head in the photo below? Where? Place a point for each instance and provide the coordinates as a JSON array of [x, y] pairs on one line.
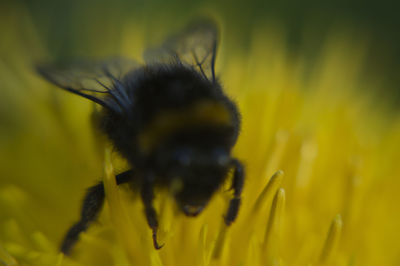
[[196, 174]]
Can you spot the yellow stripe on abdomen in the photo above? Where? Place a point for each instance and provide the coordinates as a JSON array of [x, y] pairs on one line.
[[170, 121]]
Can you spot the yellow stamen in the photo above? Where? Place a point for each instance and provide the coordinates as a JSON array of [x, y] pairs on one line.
[[272, 234], [126, 233], [204, 257], [60, 259], [268, 191], [220, 241], [308, 153], [331, 240], [281, 140], [42, 242]]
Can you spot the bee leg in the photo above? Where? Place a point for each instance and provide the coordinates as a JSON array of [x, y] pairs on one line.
[[237, 186], [147, 194], [92, 204]]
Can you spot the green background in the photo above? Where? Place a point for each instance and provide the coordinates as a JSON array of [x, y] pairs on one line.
[[64, 26]]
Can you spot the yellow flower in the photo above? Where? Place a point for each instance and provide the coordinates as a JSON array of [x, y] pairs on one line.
[[321, 155]]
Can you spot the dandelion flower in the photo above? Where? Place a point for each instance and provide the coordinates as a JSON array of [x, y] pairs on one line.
[[321, 156]]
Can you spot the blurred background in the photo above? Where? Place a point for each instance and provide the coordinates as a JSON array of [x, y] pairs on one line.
[[324, 49], [71, 28]]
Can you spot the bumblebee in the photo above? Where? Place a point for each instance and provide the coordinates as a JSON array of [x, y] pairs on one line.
[[169, 118]]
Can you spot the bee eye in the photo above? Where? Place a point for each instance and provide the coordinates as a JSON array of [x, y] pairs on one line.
[[183, 157], [221, 156]]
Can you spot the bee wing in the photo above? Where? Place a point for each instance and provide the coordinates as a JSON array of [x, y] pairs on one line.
[[196, 46], [94, 80]]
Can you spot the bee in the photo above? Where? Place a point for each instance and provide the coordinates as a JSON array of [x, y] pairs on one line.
[[169, 118]]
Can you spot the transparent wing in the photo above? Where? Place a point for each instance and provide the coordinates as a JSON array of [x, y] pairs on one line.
[[94, 80], [196, 46]]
